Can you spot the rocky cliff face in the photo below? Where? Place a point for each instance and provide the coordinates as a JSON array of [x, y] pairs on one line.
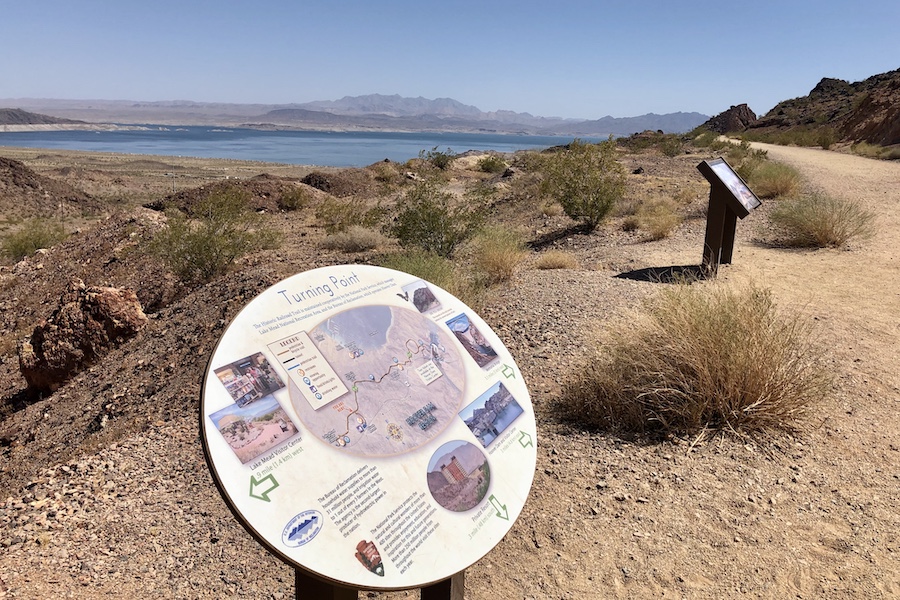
[[736, 118], [867, 110]]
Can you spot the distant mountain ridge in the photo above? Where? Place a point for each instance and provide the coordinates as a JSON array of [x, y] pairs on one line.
[[373, 112]]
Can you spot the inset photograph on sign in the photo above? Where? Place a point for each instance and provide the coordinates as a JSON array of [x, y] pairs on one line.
[[472, 340], [458, 476], [249, 379], [421, 296], [491, 413], [254, 429]]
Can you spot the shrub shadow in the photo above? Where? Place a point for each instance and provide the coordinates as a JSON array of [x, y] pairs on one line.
[[671, 274]]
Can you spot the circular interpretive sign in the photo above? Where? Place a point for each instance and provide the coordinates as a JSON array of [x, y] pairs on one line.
[[368, 427]]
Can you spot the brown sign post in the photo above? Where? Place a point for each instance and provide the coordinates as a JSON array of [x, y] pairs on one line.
[[730, 198]]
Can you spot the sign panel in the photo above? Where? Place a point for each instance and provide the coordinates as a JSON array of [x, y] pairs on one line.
[[743, 200], [367, 426]]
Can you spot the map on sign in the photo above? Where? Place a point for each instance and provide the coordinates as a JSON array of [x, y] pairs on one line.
[[394, 381]]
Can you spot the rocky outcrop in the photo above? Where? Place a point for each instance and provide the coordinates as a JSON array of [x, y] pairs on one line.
[[88, 322], [736, 118]]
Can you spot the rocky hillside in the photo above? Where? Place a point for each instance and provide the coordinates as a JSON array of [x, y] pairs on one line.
[[16, 116], [867, 110]]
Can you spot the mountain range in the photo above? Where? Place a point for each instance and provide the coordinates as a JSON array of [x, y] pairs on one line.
[[351, 113]]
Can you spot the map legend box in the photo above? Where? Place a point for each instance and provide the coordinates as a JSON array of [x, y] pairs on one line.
[[308, 369]]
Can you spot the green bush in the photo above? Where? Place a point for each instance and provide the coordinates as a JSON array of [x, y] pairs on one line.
[[698, 358], [492, 163], [294, 199], [428, 218], [438, 158], [223, 229], [819, 221], [32, 236], [586, 179]]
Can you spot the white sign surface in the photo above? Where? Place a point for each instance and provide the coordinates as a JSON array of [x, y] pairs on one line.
[[368, 427]]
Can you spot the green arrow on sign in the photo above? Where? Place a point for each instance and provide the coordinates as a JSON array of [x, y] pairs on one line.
[[508, 372], [256, 485], [500, 508], [525, 440]]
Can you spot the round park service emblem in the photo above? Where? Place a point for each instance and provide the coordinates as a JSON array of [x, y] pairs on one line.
[[302, 528]]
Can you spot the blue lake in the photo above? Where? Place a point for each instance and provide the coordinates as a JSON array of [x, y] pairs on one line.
[[335, 149]]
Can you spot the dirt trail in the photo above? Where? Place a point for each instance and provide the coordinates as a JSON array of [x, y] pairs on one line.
[[855, 293]]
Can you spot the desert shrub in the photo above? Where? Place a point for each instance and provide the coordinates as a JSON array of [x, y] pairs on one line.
[[551, 209], [428, 218], [497, 251], [874, 151], [440, 271], [294, 199], [33, 235], [697, 358], [658, 217], [556, 259], [438, 158], [671, 145], [336, 214], [354, 239], [772, 179], [586, 179], [817, 220], [222, 230], [492, 163]]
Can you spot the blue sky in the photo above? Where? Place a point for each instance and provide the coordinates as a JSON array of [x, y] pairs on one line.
[[570, 59]]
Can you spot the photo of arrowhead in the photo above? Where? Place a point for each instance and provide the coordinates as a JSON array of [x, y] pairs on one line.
[[368, 555]]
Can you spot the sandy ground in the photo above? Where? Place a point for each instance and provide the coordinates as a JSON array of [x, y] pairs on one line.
[[816, 516]]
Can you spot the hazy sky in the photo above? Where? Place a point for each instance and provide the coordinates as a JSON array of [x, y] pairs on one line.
[[569, 59]]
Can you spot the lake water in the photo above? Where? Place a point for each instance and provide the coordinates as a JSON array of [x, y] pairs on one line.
[[335, 149]]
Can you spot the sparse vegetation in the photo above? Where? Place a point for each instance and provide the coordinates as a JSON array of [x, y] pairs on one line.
[[698, 358], [440, 271], [586, 179], [222, 229], [770, 179], [294, 199], [817, 220], [354, 239], [440, 159], [430, 218], [340, 214], [874, 151], [33, 235], [492, 163]]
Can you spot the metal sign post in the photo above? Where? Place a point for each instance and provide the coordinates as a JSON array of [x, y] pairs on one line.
[[730, 199], [370, 430]]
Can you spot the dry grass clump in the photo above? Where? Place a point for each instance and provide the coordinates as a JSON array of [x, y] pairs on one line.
[[33, 235], [821, 221], [771, 179], [498, 251], [658, 217], [354, 239], [556, 259], [697, 358]]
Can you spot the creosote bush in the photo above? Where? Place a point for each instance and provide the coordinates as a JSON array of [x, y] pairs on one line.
[[700, 357], [32, 236], [492, 163], [586, 179], [817, 220], [340, 214], [441, 159], [222, 229], [429, 218]]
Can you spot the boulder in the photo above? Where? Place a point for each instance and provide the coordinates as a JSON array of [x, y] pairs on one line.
[[737, 118], [88, 323]]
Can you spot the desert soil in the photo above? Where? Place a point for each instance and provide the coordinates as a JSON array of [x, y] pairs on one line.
[[131, 511]]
